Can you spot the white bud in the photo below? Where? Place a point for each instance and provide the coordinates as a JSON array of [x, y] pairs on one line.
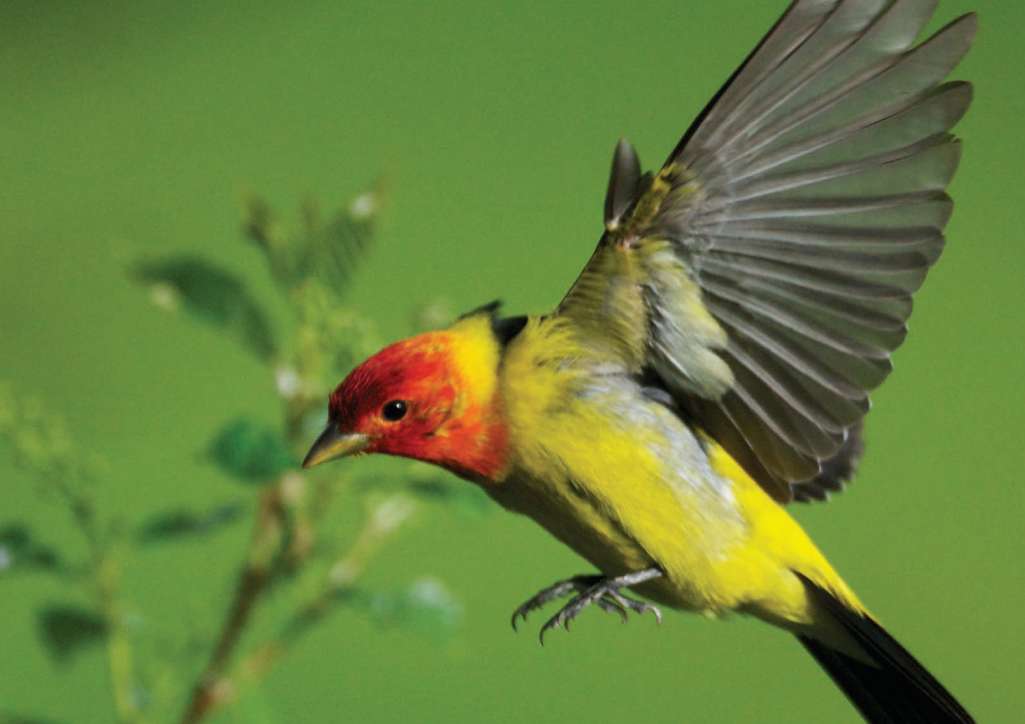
[[363, 206], [287, 381], [392, 513], [293, 488], [342, 574], [165, 296]]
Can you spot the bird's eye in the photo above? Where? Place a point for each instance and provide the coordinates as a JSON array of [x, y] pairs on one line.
[[394, 410]]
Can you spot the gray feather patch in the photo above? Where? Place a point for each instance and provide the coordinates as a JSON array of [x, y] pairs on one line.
[[816, 204]]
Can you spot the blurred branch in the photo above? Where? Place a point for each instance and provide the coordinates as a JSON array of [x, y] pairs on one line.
[[262, 559], [120, 655], [312, 263], [42, 447], [382, 523]]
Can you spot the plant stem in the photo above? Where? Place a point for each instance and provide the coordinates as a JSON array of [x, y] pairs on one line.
[[211, 689], [120, 659], [215, 687], [341, 577], [106, 575]]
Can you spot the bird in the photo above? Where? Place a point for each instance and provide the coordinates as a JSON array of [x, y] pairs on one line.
[[713, 361]]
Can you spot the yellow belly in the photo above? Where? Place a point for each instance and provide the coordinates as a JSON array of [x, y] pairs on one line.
[[627, 485]]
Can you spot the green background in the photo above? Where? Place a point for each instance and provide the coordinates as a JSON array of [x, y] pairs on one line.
[[137, 127]]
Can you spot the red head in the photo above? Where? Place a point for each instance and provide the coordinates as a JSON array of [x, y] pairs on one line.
[[433, 397]]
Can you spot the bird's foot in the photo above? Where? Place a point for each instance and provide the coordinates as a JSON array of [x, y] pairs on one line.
[[576, 584], [598, 590]]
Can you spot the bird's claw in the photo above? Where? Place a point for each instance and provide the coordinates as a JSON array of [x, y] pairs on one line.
[[598, 590], [624, 602], [553, 592]]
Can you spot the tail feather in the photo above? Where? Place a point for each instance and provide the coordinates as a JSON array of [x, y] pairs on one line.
[[896, 689]]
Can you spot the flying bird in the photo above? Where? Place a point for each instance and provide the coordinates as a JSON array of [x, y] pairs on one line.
[[713, 361]]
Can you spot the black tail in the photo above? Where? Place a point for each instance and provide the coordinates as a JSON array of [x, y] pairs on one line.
[[897, 689]]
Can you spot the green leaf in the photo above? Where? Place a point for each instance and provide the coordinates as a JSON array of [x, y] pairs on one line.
[[329, 251], [336, 251], [210, 294], [181, 523], [66, 629], [251, 452], [19, 551], [426, 606]]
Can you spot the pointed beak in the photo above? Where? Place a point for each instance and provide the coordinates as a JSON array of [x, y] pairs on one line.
[[332, 444]]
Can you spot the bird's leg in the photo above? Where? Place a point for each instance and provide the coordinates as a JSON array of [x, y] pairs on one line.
[[600, 590]]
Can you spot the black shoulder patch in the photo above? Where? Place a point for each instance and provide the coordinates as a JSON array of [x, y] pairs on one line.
[[504, 328], [490, 308]]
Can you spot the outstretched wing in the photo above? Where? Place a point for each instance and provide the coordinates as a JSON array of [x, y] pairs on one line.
[[764, 275]]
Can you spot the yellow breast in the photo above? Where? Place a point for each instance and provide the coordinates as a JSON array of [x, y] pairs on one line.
[[622, 480]]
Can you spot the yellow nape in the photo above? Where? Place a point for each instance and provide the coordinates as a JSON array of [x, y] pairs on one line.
[[476, 355]]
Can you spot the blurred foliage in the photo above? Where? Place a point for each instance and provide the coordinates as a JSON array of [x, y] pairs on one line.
[[65, 629], [251, 452], [213, 295], [168, 525], [311, 264], [20, 551], [426, 604]]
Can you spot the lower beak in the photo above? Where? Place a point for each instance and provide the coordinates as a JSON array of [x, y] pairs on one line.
[[332, 444]]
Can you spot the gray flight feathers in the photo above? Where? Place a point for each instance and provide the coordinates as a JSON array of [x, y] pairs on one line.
[[836, 471], [806, 203]]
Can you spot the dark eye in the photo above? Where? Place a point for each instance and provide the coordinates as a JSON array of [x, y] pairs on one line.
[[394, 410]]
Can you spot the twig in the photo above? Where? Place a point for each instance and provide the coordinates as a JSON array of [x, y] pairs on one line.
[[215, 687], [342, 575], [42, 446], [264, 554], [106, 576], [120, 658]]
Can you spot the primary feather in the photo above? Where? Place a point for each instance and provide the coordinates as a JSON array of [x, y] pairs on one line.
[[765, 273]]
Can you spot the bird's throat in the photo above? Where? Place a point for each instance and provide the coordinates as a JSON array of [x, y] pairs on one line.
[[474, 446]]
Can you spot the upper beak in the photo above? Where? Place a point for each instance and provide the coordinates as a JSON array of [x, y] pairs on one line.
[[332, 444]]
